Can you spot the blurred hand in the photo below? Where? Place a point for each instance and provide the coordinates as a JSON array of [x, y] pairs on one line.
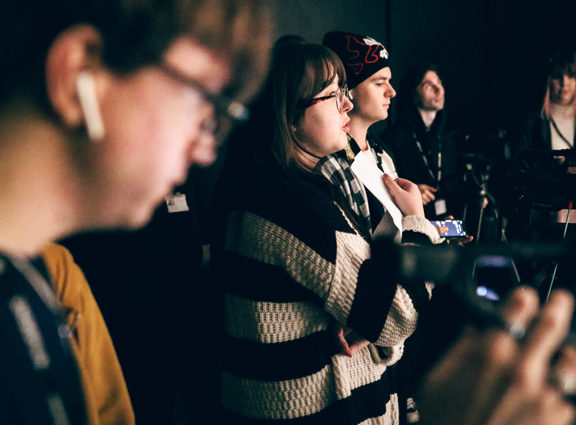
[[461, 241], [490, 378], [442, 229], [427, 193], [405, 194]]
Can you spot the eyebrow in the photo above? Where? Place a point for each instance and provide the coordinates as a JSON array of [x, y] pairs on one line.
[[331, 88], [431, 82]]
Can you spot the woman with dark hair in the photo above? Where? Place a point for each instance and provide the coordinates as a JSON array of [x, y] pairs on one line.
[[314, 318]]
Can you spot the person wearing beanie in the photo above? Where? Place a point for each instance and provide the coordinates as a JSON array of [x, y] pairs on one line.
[[368, 76]]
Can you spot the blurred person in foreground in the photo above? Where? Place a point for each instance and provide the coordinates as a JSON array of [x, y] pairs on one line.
[[104, 105], [519, 374]]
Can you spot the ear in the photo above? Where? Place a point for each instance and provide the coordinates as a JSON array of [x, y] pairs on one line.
[[76, 50]]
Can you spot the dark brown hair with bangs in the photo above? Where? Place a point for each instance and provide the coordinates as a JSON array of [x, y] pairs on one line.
[[298, 72]]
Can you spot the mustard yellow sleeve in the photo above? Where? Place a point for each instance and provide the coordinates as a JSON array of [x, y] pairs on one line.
[[107, 397]]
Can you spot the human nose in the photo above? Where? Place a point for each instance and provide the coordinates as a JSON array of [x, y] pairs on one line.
[[203, 149], [390, 93], [347, 105]]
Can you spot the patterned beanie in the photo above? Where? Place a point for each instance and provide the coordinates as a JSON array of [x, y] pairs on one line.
[[362, 56]]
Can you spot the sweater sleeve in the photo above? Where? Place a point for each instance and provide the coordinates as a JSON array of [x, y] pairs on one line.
[[308, 236], [419, 230]]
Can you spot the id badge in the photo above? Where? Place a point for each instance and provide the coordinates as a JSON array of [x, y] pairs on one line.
[[440, 207], [176, 202]]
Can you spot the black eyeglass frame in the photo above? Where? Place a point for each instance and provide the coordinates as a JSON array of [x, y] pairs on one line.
[[226, 111], [341, 93]]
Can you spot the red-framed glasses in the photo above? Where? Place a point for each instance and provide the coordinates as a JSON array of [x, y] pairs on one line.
[[339, 95]]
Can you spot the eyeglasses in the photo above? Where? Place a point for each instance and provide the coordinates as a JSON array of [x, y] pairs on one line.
[[227, 111], [340, 95]]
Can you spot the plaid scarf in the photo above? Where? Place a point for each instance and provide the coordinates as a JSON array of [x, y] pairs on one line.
[[336, 169]]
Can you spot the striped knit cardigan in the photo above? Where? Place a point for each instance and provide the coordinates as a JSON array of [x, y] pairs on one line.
[[293, 268]]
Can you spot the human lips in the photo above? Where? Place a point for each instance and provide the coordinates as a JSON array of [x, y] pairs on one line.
[[346, 126]]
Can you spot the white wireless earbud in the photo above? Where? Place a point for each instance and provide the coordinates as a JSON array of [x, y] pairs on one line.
[[89, 104]]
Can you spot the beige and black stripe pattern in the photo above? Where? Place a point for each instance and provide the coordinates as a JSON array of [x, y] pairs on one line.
[[282, 362]]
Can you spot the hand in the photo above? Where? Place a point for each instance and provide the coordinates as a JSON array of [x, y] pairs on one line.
[[459, 241], [349, 341], [463, 241], [442, 229], [427, 193], [488, 377], [405, 194]]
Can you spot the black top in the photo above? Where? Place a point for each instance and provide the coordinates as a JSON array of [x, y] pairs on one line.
[[418, 152], [39, 379]]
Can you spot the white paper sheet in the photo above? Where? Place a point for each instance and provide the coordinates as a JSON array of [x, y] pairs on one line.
[[365, 168]]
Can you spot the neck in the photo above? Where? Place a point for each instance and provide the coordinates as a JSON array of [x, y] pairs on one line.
[[306, 159], [562, 112], [359, 131], [35, 204], [428, 117]]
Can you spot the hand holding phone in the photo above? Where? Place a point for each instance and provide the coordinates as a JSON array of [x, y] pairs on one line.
[[455, 228]]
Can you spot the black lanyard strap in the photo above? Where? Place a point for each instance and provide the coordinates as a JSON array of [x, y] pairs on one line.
[[570, 145], [438, 176]]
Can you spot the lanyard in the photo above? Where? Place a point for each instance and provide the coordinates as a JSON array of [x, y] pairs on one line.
[[438, 176]]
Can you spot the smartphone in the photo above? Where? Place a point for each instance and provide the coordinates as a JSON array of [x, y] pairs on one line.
[[494, 275], [455, 228]]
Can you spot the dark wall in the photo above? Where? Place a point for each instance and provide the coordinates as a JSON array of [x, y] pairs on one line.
[[312, 18], [520, 38], [451, 34], [492, 52]]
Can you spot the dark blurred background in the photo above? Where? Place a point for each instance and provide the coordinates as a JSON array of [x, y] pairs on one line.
[[492, 53]]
